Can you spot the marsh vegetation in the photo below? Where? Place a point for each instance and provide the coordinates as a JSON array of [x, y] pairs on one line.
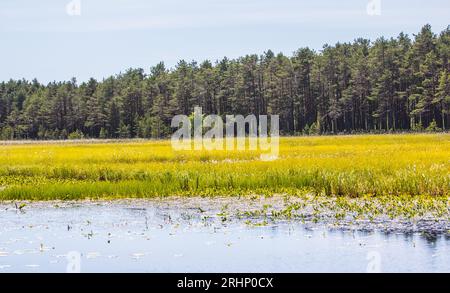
[[337, 166]]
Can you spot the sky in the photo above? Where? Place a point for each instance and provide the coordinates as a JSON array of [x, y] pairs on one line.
[[60, 39]]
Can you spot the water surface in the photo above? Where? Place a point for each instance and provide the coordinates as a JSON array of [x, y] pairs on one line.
[[193, 235]]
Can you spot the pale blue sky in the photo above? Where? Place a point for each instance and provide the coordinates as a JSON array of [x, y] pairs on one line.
[[39, 39]]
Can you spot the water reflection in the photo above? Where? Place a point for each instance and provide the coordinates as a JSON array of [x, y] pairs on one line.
[[149, 236]]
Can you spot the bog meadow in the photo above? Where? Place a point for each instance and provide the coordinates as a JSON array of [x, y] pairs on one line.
[[90, 179], [335, 166]]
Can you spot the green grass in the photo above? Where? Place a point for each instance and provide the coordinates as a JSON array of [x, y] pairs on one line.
[[350, 166]]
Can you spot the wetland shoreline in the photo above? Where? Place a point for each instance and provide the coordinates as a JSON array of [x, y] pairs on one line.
[[217, 234], [385, 214]]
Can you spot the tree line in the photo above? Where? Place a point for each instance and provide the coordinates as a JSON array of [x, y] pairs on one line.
[[396, 84]]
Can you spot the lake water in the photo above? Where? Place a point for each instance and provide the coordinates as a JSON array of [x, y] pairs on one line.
[[189, 236]]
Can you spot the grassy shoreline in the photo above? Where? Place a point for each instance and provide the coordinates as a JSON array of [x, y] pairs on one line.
[[339, 166], [406, 214]]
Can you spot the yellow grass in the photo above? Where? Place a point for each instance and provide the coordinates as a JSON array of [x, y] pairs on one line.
[[351, 166]]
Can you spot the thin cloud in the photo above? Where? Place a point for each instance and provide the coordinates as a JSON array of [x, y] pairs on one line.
[[174, 21]]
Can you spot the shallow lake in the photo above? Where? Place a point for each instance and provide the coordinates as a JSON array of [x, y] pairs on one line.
[[188, 235]]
